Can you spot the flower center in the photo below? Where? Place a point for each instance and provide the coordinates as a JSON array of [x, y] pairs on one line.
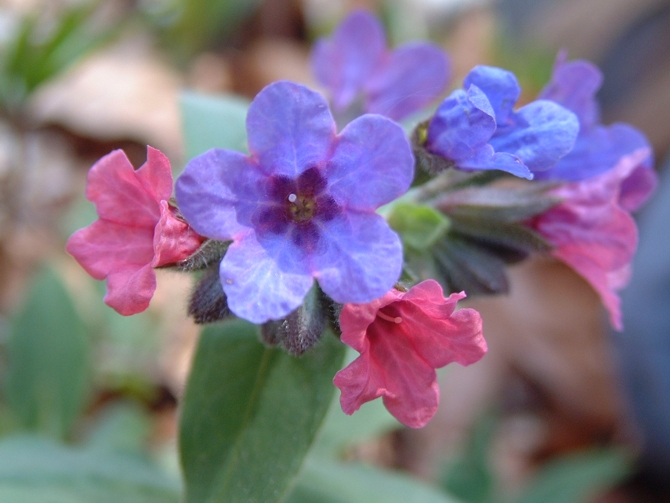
[[302, 208]]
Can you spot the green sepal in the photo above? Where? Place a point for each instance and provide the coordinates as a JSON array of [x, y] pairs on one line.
[[464, 265], [498, 203], [208, 255], [419, 226], [301, 329], [208, 302], [506, 236]]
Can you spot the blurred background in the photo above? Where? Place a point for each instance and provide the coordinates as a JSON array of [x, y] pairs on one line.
[[560, 410]]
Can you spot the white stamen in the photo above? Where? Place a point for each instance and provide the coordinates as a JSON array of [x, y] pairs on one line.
[[383, 316], [292, 198]]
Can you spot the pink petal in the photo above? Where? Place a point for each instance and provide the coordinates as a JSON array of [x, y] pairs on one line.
[[105, 247], [439, 335], [130, 290], [356, 318], [155, 175], [174, 240], [585, 263], [596, 250], [119, 196], [393, 370], [593, 233]]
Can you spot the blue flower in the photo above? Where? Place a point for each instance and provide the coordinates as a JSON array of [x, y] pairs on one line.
[[477, 128], [302, 205], [358, 70], [598, 148]]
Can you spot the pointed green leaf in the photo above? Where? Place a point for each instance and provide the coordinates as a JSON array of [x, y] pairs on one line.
[[213, 122], [251, 413], [48, 357]]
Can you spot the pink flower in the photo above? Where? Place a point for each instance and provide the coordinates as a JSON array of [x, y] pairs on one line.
[[593, 231], [137, 230], [402, 338]]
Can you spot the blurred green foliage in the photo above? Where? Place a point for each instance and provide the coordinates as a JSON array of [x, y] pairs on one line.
[[47, 380], [213, 122], [38, 53], [47, 383], [190, 26], [572, 478], [39, 470]]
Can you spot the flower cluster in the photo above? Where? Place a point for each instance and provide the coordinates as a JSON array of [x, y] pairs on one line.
[[292, 233], [477, 128], [610, 174]]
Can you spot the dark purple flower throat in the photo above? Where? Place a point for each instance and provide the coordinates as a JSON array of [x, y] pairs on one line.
[[297, 206]]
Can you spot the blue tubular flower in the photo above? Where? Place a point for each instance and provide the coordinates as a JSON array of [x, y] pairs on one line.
[[302, 206], [354, 64], [598, 148], [477, 128]]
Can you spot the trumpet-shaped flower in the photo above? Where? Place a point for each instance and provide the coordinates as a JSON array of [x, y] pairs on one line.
[[402, 338], [357, 69], [137, 229], [302, 205], [477, 128], [593, 231]]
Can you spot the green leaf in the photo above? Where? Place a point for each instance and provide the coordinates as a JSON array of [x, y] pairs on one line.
[[326, 481], [213, 122], [419, 226], [48, 359], [578, 478], [251, 413], [38, 470]]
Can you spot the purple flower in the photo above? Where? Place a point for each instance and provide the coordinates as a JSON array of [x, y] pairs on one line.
[[598, 148], [302, 205], [477, 127], [359, 71]]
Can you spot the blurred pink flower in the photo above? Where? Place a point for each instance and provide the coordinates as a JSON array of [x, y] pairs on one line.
[[402, 338], [137, 230], [592, 229]]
